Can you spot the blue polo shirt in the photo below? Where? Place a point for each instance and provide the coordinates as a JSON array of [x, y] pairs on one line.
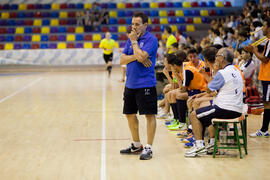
[[139, 76]]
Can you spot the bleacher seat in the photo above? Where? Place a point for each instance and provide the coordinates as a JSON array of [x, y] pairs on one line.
[[3, 22], [171, 13], [158, 36], [113, 14], [22, 7], [169, 5], [122, 37], [43, 46], [21, 15], [186, 5], [71, 6], [212, 12], [161, 4], [195, 12], [220, 12], [179, 13], [104, 29], [36, 38], [11, 23], [36, 30], [55, 14], [204, 13], [38, 6], [96, 37], [62, 30], [1, 46], [79, 6], [172, 20], [71, 14], [20, 23], [10, 30], [87, 37], [96, 45], [52, 46], [46, 6], [35, 46], [63, 22], [162, 13], [45, 22], [44, 38], [62, 37], [6, 6], [89, 6], [128, 13], [174, 28], [137, 5], [149, 21], [154, 13], [5, 15], [194, 4], [79, 37], [145, 5], [70, 37], [129, 21], [113, 21], [120, 5], [3, 30], [17, 46], [122, 44], [115, 37], [45, 14], [27, 38], [19, 30], [112, 5], [2, 38], [163, 21], [14, 6], [45, 30], [122, 29], [156, 29], [121, 14], [26, 46], [13, 15], [197, 20], [147, 13], [206, 20], [190, 28], [187, 13], [219, 4], [188, 20], [30, 6], [9, 38], [202, 4], [153, 5], [37, 22], [71, 22], [8, 46], [129, 5], [71, 29], [87, 45], [61, 46], [182, 28], [70, 45], [155, 21], [122, 21], [79, 45], [63, 14], [211, 4], [53, 38], [53, 29], [177, 4], [54, 22], [162, 28], [79, 30], [227, 4], [63, 6]]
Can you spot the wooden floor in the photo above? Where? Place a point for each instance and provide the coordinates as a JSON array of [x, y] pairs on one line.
[[52, 128]]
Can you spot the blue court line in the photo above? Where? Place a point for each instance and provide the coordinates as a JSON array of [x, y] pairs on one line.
[[18, 74]]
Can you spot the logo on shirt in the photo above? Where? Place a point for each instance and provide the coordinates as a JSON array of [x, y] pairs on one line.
[[146, 91], [141, 44]]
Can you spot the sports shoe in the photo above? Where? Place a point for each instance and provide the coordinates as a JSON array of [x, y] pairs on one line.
[[259, 133], [188, 139], [195, 151], [146, 154], [163, 115], [170, 122], [189, 144], [209, 148], [132, 150]]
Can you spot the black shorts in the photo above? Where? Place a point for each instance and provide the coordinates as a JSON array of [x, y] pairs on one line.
[[266, 91], [142, 99], [206, 114], [108, 57]]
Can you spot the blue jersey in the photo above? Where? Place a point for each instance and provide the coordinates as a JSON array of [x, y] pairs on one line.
[[139, 76]]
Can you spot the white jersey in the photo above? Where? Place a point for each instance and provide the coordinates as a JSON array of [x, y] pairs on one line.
[[229, 84]]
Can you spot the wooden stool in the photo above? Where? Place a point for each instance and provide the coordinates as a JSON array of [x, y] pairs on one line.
[[242, 120]]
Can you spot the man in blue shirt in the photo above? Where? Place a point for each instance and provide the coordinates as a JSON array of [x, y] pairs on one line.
[[140, 94]]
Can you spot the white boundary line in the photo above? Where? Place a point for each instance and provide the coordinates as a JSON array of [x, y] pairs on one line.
[[20, 90], [103, 131]]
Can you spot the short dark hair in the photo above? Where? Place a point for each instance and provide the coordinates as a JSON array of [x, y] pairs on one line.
[[168, 29], [267, 20], [174, 59], [242, 49], [143, 16], [192, 51], [228, 55], [209, 53], [175, 45], [216, 32]]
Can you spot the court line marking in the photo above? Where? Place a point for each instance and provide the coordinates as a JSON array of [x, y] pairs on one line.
[[122, 139], [103, 131], [20, 90]]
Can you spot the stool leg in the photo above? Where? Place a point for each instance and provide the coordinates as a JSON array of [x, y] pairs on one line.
[[215, 145], [237, 138], [244, 137]]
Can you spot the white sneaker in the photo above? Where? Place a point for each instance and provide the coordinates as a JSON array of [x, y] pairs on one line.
[[209, 148], [163, 115], [195, 151], [259, 133]]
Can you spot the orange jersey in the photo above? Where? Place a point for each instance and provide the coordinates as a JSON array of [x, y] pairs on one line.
[[264, 73], [201, 64], [198, 82], [244, 81]]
